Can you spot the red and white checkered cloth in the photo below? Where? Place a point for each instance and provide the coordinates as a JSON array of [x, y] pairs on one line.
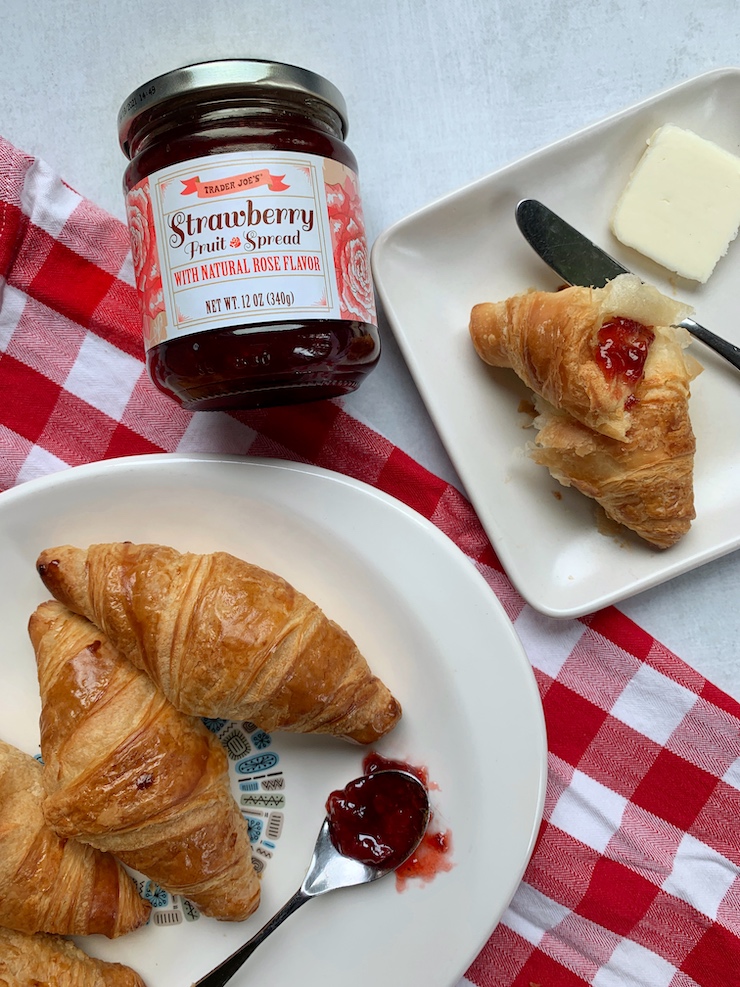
[[635, 879]]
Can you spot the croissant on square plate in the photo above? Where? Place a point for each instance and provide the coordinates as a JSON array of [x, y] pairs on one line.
[[613, 386], [49, 883], [38, 960], [126, 772], [224, 638]]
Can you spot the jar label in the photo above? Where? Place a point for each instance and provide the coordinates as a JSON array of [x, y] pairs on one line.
[[246, 239]]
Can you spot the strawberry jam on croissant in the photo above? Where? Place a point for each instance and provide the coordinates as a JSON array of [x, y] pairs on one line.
[[623, 348], [612, 386]]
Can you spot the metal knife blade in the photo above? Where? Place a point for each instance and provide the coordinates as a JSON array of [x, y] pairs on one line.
[[579, 261], [569, 253]]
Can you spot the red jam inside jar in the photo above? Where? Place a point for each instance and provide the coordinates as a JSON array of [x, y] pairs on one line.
[[622, 348], [248, 238]]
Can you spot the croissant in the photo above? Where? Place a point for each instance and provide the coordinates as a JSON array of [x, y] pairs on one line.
[[126, 772], [646, 484], [223, 638], [554, 342], [50, 884], [625, 441], [34, 961]]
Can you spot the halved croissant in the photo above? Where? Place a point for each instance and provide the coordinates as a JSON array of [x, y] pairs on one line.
[[223, 638], [52, 884], [646, 483], [40, 960], [126, 772], [625, 442], [550, 339]]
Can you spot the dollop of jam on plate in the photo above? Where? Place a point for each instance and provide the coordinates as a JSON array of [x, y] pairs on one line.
[[378, 818], [433, 855]]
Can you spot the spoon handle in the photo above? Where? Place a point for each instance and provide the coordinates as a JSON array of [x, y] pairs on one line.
[[226, 970]]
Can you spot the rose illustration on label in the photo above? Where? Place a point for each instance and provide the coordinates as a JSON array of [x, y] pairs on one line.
[[147, 268], [350, 252]]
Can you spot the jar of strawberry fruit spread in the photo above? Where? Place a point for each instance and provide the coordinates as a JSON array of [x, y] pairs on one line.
[[247, 234]]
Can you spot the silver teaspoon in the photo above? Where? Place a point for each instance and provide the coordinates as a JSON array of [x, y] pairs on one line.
[[349, 850]]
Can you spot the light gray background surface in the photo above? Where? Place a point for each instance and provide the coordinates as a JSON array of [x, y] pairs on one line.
[[439, 94]]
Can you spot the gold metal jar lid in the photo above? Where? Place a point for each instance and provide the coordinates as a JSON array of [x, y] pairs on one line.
[[224, 75]]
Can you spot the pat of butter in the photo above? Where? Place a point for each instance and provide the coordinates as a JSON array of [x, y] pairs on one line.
[[681, 206]]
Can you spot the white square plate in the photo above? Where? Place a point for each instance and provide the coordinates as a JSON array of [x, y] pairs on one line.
[[432, 267]]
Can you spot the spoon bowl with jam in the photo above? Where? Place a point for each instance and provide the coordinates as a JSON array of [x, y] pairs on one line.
[[373, 825]]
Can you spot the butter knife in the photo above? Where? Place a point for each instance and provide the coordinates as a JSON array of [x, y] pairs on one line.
[[579, 261]]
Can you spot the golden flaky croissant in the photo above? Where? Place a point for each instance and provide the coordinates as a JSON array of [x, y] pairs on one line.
[[551, 340], [48, 883], [613, 423], [126, 772], [42, 960], [223, 638]]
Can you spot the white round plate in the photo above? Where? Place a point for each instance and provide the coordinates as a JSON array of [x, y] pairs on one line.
[[428, 624]]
